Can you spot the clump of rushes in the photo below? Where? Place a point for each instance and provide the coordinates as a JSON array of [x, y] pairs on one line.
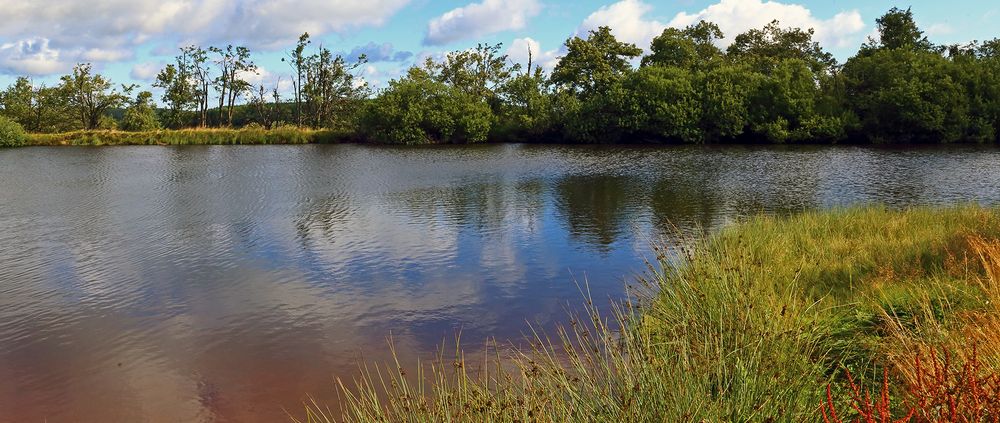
[[744, 325]]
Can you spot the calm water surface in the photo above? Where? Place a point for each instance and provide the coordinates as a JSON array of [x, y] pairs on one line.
[[228, 283]]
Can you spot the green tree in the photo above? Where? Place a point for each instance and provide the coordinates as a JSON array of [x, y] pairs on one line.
[[180, 94], [905, 95], [594, 64], [526, 104], [667, 103], [19, 103], [726, 95], [689, 48], [331, 91], [763, 49], [478, 72], [418, 109], [297, 60], [89, 95], [37, 109], [233, 63], [141, 114], [976, 68], [898, 30]]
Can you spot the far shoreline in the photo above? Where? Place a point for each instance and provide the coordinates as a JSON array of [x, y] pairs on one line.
[[290, 135]]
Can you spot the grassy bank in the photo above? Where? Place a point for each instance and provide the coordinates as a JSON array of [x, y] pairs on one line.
[[754, 323], [281, 135]]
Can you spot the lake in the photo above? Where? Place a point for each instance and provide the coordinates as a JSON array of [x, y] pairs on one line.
[[230, 283]]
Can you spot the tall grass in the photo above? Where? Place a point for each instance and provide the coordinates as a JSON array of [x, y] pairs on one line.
[[944, 358], [750, 324], [212, 136]]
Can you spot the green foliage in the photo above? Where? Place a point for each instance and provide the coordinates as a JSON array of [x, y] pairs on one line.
[[37, 109], [285, 134], [593, 65], [178, 92], [692, 47], [784, 107], [479, 72], [106, 123], [140, 115], [11, 133], [903, 95], [89, 96], [898, 30], [726, 94], [525, 109], [772, 84], [667, 102], [418, 110], [764, 48]]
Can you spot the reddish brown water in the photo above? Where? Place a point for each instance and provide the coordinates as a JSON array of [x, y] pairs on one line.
[[207, 284]]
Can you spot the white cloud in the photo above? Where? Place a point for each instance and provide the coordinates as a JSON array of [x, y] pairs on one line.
[[261, 75], [479, 19], [737, 16], [105, 55], [377, 77], [108, 30], [939, 29], [626, 20], [31, 56], [630, 22], [384, 52], [518, 53], [146, 71]]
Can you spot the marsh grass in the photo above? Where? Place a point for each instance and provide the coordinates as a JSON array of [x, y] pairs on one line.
[[750, 324], [211, 136]]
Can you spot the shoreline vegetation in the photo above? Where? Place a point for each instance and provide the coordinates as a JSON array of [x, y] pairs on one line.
[[859, 314], [773, 84], [208, 136]]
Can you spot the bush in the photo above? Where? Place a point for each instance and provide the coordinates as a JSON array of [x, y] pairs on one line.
[[11, 133], [107, 123], [139, 120], [419, 110]]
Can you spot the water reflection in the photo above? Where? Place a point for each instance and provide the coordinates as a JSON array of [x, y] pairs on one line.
[[226, 283]]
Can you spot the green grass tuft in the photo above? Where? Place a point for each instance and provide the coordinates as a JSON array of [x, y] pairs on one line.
[[750, 324]]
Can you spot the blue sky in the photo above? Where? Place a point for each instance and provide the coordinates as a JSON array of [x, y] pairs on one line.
[[130, 40]]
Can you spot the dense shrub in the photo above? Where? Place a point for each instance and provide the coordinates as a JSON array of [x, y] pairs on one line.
[[11, 133], [420, 110]]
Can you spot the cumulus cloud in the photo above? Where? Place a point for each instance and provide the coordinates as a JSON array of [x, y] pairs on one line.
[[627, 19], [518, 53], [738, 16], [31, 56], [379, 53], [108, 30], [479, 19], [146, 71]]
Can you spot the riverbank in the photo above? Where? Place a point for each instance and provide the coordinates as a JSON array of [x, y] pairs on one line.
[[763, 321], [208, 136]]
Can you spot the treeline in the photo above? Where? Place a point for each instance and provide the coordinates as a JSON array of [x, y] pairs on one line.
[[771, 85]]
